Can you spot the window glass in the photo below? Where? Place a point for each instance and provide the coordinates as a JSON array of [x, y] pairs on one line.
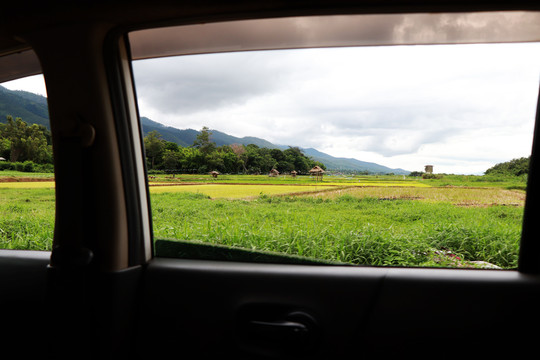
[[409, 155], [27, 195]]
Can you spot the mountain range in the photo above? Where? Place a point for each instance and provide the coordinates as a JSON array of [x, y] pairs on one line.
[[33, 109]]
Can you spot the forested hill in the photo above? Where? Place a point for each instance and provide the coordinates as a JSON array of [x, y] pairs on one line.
[[30, 107], [33, 109], [188, 136]]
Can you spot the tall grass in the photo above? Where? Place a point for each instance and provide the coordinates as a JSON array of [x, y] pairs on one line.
[[402, 226], [363, 231], [26, 218]]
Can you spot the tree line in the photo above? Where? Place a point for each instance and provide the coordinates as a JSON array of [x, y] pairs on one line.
[[514, 167], [25, 147], [205, 156]]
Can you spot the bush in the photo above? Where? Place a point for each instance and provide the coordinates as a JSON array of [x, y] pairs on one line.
[[17, 166], [432, 176], [5, 165], [44, 168], [28, 166]]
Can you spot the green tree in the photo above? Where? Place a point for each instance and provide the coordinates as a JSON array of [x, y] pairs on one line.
[[296, 157], [169, 145], [172, 160], [514, 167], [27, 142], [204, 142], [154, 147], [241, 154], [5, 147]]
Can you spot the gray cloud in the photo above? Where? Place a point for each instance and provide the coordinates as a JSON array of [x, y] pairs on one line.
[[386, 101], [199, 83]]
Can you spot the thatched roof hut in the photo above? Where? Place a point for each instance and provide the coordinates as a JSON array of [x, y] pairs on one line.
[[273, 172], [214, 173], [293, 173], [317, 171]]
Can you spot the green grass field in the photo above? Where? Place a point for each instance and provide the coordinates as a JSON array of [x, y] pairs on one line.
[[390, 220]]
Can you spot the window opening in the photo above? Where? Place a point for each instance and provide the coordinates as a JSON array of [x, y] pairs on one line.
[[408, 155], [27, 195]]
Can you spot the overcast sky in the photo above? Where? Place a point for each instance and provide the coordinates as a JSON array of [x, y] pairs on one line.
[[461, 108]]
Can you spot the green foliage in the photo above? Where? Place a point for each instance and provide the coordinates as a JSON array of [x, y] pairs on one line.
[[514, 167], [432, 176], [25, 142], [346, 229], [366, 227], [204, 156], [154, 146]]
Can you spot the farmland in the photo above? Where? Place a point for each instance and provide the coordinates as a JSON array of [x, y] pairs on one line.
[[455, 221]]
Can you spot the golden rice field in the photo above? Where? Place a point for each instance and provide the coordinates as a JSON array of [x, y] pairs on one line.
[[463, 196], [237, 191], [27, 185]]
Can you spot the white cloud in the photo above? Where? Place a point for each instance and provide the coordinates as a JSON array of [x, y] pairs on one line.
[[462, 108], [34, 84]]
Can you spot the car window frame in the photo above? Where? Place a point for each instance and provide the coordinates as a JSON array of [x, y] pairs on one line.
[[122, 86]]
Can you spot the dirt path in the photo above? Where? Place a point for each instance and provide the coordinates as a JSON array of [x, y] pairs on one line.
[[25, 179]]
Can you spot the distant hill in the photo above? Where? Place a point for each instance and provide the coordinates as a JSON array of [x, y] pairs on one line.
[[30, 107], [350, 164], [186, 137], [33, 109]]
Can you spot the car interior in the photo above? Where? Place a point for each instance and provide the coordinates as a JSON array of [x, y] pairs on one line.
[[106, 291]]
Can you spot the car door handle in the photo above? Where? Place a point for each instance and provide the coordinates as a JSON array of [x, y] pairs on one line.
[[284, 328], [293, 330]]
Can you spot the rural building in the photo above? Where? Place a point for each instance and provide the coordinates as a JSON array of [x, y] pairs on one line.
[[273, 172], [317, 171], [293, 173], [429, 169], [214, 173]]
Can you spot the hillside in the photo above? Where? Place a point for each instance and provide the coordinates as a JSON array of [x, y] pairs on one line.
[[349, 164], [32, 108], [186, 137]]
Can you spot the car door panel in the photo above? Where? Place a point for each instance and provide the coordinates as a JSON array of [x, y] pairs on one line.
[[371, 310]]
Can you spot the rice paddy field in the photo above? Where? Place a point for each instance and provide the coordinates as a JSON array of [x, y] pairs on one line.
[[456, 221]]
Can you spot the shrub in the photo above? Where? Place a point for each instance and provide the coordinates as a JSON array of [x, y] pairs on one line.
[[28, 166], [432, 176]]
